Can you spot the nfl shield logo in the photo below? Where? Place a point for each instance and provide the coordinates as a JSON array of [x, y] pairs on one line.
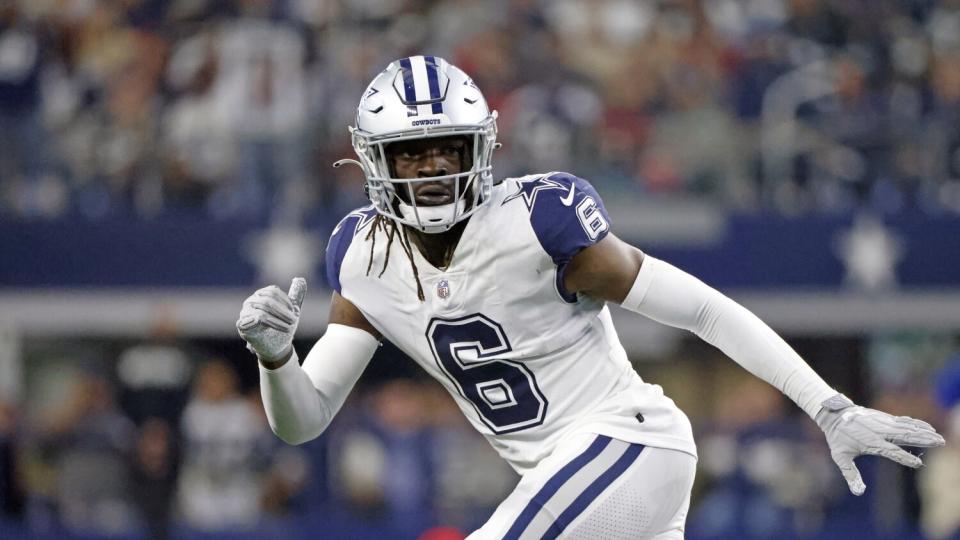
[[443, 289]]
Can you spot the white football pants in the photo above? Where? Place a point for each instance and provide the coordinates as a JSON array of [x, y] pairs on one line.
[[595, 487]]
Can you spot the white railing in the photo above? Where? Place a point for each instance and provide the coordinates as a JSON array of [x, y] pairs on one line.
[[212, 312]]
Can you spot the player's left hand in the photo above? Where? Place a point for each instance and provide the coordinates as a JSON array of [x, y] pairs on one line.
[[853, 431]]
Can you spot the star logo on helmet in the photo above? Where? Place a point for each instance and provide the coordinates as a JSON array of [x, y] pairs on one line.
[[370, 103]]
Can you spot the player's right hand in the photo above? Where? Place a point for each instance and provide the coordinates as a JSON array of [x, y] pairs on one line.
[[268, 320]]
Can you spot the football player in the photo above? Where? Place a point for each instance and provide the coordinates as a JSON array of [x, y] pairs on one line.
[[498, 289]]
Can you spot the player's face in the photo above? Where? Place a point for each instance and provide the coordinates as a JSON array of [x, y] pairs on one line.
[[426, 158]]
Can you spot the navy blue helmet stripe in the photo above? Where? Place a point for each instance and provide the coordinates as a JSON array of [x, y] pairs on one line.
[[434, 83], [553, 485], [593, 491], [410, 92]]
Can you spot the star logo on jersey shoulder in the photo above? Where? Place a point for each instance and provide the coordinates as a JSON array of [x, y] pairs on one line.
[[529, 189], [364, 216]]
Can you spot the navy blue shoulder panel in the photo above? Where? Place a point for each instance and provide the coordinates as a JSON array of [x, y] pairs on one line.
[[340, 240], [567, 216]]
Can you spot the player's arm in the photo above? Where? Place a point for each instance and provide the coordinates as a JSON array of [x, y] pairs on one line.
[[618, 272], [301, 401]]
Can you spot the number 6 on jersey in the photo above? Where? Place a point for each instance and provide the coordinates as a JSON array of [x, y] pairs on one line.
[[503, 392]]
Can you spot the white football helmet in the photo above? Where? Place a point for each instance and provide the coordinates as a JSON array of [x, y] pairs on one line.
[[415, 98]]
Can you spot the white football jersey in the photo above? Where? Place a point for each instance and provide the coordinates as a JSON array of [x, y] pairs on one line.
[[527, 362]]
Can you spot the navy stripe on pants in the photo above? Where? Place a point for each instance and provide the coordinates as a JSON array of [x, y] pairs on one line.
[[593, 491], [583, 500], [553, 485]]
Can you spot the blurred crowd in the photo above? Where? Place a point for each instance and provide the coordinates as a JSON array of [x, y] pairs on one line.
[[235, 108], [159, 440], [162, 439]]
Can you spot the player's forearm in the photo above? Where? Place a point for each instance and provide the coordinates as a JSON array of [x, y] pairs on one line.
[[301, 401], [295, 409], [671, 296]]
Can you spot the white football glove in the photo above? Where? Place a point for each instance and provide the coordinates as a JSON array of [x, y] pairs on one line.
[[852, 431], [269, 318]]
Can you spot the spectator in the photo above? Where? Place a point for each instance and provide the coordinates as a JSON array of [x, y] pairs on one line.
[[25, 162], [223, 453], [92, 441], [764, 477], [260, 70], [938, 480], [943, 130], [201, 151], [385, 464], [155, 375], [154, 476], [11, 498]]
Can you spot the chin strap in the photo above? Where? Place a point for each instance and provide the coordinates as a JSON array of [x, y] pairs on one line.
[[431, 214]]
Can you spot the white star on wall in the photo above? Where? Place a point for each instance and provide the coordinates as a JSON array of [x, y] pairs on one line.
[[281, 253], [870, 254]]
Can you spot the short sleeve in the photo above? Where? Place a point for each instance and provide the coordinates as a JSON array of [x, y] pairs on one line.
[[567, 216], [340, 240]]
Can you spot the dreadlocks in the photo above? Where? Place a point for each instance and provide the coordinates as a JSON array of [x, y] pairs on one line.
[[390, 228]]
